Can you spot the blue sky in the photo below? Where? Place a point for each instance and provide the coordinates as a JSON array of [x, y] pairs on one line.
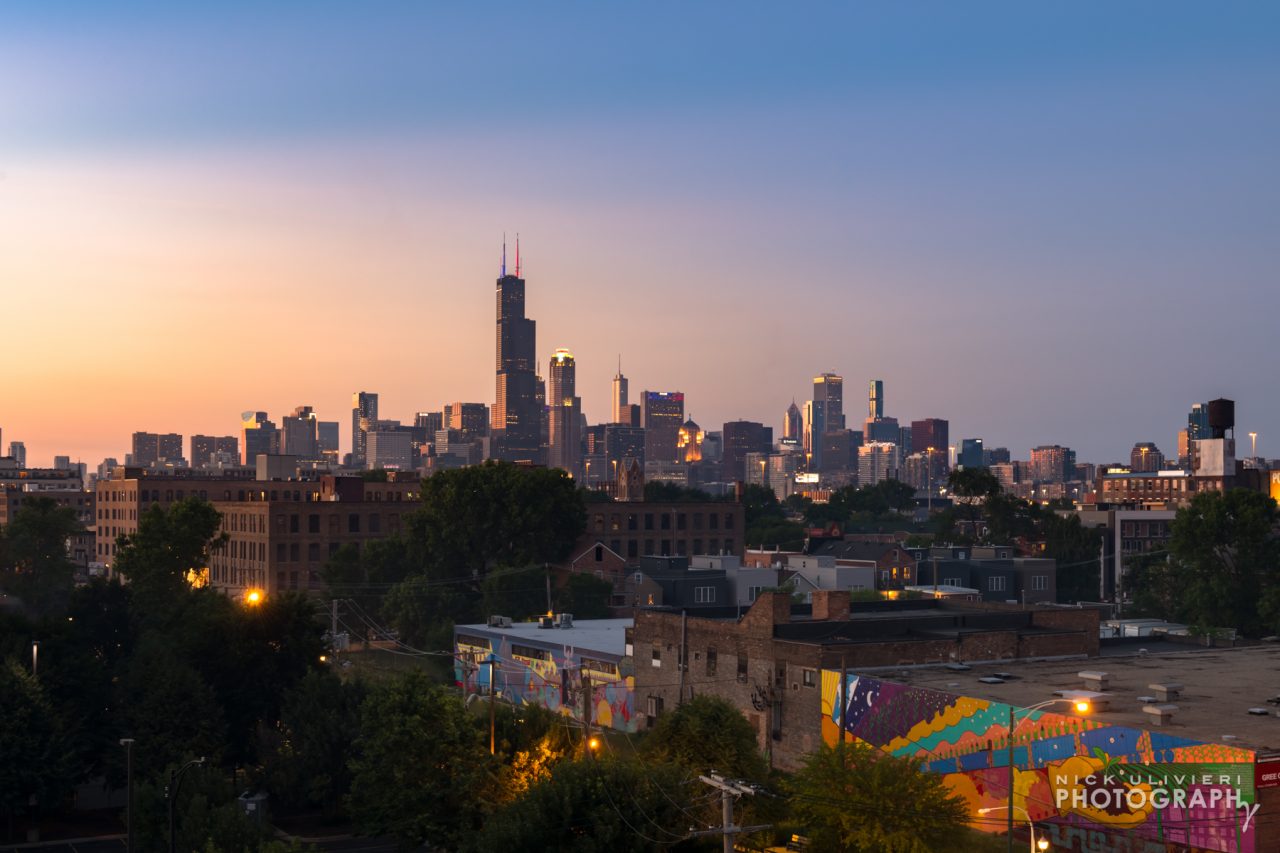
[[1047, 224]]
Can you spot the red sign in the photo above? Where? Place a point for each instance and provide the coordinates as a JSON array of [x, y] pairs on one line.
[[1266, 774]]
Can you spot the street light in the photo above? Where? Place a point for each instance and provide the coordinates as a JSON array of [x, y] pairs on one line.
[[1253, 437], [127, 743], [171, 794], [1081, 706], [1040, 845], [35, 657], [254, 597]]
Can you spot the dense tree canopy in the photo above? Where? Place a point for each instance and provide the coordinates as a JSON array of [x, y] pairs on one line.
[[33, 555]]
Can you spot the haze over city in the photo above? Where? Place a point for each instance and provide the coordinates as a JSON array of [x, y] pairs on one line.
[[1042, 225]]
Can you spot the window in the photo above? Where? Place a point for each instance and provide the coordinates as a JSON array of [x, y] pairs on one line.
[[632, 521], [951, 582], [657, 657], [666, 521], [1040, 582], [779, 674], [599, 553], [704, 594], [293, 523], [681, 521], [711, 660], [375, 523], [655, 706], [728, 521], [648, 522], [633, 548], [714, 519], [995, 583], [313, 552], [294, 552], [742, 667], [753, 592], [810, 678], [529, 652], [353, 523]]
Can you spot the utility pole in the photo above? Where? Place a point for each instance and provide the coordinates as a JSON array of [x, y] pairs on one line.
[[127, 743], [1102, 567], [588, 706], [171, 794], [493, 740], [681, 662], [546, 567], [729, 791]]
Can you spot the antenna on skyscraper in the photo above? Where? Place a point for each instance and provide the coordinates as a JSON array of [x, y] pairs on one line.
[[504, 254], [517, 254]]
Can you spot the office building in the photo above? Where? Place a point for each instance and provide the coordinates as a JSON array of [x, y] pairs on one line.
[[517, 415], [389, 448], [621, 409], [875, 400], [882, 429], [929, 434], [208, 449], [689, 442], [828, 390], [154, 449], [877, 460], [430, 421], [18, 453], [1052, 463], [1145, 458], [840, 451], [300, 435], [741, 438], [327, 441], [622, 443], [364, 407], [470, 419], [970, 454], [663, 417], [564, 438], [258, 434], [792, 422]]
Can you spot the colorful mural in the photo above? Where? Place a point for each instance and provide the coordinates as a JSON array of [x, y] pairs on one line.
[[1088, 784], [554, 678]]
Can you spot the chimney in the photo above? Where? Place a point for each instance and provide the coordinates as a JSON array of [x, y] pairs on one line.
[[831, 605]]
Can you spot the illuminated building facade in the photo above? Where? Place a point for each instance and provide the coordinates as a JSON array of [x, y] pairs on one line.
[[564, 437], [663, 416], [516, 415], [689, 442], [364, 408]]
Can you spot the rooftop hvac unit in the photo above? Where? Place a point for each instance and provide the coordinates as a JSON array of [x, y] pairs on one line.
[[499, 621], [564, 620], [546, 622]]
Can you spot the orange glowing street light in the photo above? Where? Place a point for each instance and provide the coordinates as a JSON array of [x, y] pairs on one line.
[[254, 597]]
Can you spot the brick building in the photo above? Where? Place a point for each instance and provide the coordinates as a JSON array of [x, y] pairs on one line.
[[767, 663]]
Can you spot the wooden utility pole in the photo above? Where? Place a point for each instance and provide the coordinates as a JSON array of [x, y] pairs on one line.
[[729, 791]]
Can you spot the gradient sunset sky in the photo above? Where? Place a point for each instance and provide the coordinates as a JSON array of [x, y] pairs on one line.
[[1044, 222]]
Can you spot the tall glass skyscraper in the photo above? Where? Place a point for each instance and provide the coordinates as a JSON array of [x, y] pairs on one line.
[[565, 409], [517, 418]]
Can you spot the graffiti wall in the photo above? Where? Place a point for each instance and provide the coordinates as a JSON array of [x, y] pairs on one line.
[[555, 677], [1088, 784]]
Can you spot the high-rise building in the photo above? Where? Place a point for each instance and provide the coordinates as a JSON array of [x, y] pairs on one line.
[[882, 429], [689, 442], [929, 434], [389, 448], [300, 435], [875, 400], [970, 454], [18, 451], [516, 415], [877, 461], [663, 416], [432, 422], [1052, 463], [922, 469], [364, 407], [205, 449], [828, 389], [327, 440], [1145, 458], [621, 443], [1198, 422], [621, 410], [258, 434], [741, 438], [840, 451], [150, 449], [470, 419], [792, 422], [564, 437]]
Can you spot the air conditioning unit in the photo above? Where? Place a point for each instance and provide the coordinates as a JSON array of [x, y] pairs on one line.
[[499, 621], [546, 622], [564, 620]]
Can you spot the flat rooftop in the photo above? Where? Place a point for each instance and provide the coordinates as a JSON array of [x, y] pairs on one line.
[[1219, 688], [600, 635]]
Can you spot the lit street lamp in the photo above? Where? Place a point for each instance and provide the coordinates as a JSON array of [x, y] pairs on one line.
[[1037, 846], [35, 657], [1081, 707]]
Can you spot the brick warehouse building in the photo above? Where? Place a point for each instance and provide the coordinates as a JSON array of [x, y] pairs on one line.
[[768, 663]]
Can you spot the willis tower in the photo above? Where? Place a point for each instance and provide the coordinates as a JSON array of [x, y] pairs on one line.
[[516, 424]]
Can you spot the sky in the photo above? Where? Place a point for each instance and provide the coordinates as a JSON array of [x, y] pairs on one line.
[[1046, 223]]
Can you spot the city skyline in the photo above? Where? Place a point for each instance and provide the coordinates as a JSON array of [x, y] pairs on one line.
[[1057, 220]]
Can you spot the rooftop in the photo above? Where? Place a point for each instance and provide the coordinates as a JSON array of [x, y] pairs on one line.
[[600, 635], [1220, 686]]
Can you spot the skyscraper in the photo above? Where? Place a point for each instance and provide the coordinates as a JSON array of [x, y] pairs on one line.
[[828, 389], [150, 448], [663, 415], [970, 453], [621, 411], [1052, 463], [875, 400], [741, 438], [792, 422], [300, 435], [471, 419], [205, 447], [564, 438], [364, 406], [1145, 458], [689, 442], [258, 435], [327, 440], [516, 415], [18, 450]]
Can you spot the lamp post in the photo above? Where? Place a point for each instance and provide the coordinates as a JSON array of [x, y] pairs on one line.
[[1080, 705], [1253, 438], [493, 740], [1037, 845], [171, 793], [35, 657], [127, 743]]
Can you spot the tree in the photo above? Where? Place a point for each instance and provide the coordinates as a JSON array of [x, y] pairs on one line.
[[307, 751], [707, 733], [35, 760], [363, 575], [594, 805], [1223, 569], [159, 559], [585, 596], [419, 765], [765, 520], [496, 514], [1076, 548], [972, 487], [33, 555], [855, 798]]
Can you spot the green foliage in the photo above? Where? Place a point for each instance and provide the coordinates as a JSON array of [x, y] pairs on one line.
[[585, 596], [496, 514], [168, 544], [364, 575], [35, 759], [593, 805], [707, 733], [206, 814], [1076, 549], [419, 765], [1223, 569], [973, 482], [423, 612], [307, 751], [886, 500], [33, 555], [855, 798], [518, 593], [766, 521]]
